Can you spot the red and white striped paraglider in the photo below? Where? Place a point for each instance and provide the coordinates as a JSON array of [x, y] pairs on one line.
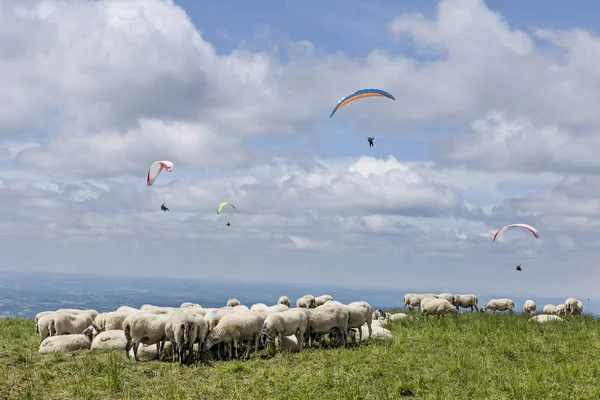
[[511, 226]]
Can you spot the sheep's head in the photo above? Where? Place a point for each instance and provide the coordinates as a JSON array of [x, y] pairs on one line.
[[91, 331]]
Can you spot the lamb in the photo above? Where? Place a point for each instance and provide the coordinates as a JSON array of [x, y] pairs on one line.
[[78, 341], [260, 306], [465, 301], [110, 340], [233, 302], [545, 318], [146, 329], [439, 307], [323, 319], [379, 314], [235, 327], [319, 301], [62, 323], [76, 311], [111, 320], [549, 309], [306, 301], [182, 330], [359, 313], [499, 305], [447, 296], [573, 306], [284, 300], [529, 306], [187, 304], [286, 323]]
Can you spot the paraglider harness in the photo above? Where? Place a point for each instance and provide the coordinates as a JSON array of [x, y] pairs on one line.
[[518, 267], [163, 208], [370, 139]]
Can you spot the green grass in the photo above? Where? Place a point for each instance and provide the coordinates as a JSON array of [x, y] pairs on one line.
[[475, 357]]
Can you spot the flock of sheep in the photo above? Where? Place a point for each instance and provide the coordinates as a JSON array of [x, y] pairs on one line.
[[181, 332]]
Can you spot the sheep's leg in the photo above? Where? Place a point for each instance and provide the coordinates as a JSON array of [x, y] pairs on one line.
[[180, 354], [345, 336], [360, 339], [235, 344], [370, 329], [256, 345], [128, 347], [477, 309], [135, 350], [248, 348]]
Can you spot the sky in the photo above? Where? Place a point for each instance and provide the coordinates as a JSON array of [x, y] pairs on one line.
[[494, 123]]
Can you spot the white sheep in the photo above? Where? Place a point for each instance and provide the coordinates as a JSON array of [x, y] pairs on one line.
[[187, 304], [284, 300], [322, 320], [157, 310], [181, 330], [240, 309], [499, 305], [260, 306], [560, 309], [111, 320], [306, 301], [529, 306], [76, 311], [37, 318], [381, 322], [332, 303], [235, 327], [439, 307], [286, 323], [573, 306], [549, 309], [320, 300], [213, 317], [378, 333], [394, 317], [407, 298], [545, 318], [73, 342], [415, 299], [379, 314], [359, 313], [465, 301], [144, 328], [63, 323], [148, 352], [127, 309], [233, 302], [110, 340], [447, 296], [277, 308]]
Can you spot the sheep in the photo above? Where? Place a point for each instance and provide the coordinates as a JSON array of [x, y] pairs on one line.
[[332, 303], [560, 309], [76, 311], [573, 306], [320, 300], [549, 309], [201, 329], [260, 306], [44, 325], [394, 317], [306, 301], [529, 306], [77, 341], [187, 304], [447, 296], [215, 316], [323, 319], [286, 323], [407, 298], [379, 314], [499, 305], [378, 333], [110, 340], [111, 320], [37, 318], [128, 309], [277, 308], [62, 323], [465, 301], [381, 322], [545, 318], [439, 307], [235, 327], [149, 352], [359, 313], [284, 300], [157, 310], [233, 302], [146, 329], [415, 300], [240, 309], [182, 330]]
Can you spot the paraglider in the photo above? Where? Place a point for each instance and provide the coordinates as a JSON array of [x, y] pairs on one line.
[[518, 268], [511, 226], [156, 168], [360, 94], [223, 204], [228, 224], [370, 139], [163, 208]]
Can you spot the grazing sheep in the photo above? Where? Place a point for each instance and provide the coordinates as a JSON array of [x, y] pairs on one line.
[[439, 307], [529, 306], [407, 298], [73, 342], [148, 352], [332, 303], [560, 309], [156, 309], [128, 309], [44, 325], [323, 319], [549, 309], [306, 301], [286, 323], [233, 302], [415, 299], [187, 304], [240, 309], [379, 314], [465, 301], [62, 323], [111, 320], [499, 305], [546, 318], [378, 333], [37, 318], [181, 330], [447, 296], [146, 329], [259, 307], [284, 300], [277, 308], [320, 300], [359, 313], [573, 306], [76, 311], [235, 327], [215, 316], [110, 340], [201, 329]]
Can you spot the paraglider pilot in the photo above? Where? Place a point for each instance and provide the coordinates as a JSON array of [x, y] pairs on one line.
[[518, 268], [163, 208], [228, 224], [370, 139]]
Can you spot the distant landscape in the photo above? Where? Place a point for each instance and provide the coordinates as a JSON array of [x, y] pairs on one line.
[[26, 294]]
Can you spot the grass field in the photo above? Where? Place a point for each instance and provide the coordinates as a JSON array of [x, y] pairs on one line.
[[475, 357]]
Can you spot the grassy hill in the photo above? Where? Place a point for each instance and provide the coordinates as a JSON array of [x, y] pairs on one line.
[[477, 357]]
